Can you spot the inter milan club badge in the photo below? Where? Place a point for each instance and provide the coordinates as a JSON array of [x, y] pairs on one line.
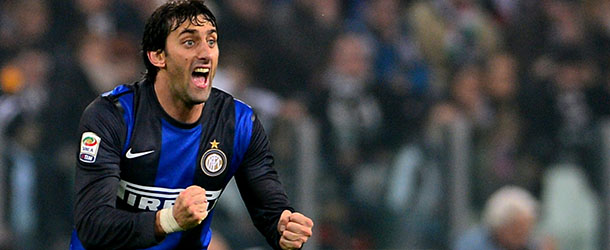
[[213, 161]]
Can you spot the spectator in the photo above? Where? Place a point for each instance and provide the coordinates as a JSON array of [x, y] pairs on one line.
[[508, 222], [560, 114], [316, 21], [400, 73], [452, 33], [349, 110], [24, 24], [351, 121], [248, 21], [26, 96], [498, 161]]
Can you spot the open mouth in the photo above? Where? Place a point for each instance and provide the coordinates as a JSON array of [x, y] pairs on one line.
[[200, 76]]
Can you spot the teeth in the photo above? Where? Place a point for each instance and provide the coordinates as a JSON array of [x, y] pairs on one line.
[[202, 70]]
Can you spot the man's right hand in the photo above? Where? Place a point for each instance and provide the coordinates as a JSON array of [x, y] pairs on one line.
[[190, 209]]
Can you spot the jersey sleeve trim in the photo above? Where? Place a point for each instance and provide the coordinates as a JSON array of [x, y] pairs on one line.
[[117, 91], [244, 117], [126, 102], [122, 97]]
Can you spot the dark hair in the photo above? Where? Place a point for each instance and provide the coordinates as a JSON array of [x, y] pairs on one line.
[[167, 18]]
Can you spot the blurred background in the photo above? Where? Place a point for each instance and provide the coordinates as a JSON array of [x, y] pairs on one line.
[[392, 121]]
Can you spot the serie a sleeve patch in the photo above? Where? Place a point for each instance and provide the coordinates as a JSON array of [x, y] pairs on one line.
[[89, 146]]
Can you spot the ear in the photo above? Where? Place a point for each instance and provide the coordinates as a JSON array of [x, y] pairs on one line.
[[156, 58]]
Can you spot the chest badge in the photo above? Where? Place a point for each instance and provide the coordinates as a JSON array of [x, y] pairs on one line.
[[213, 161]]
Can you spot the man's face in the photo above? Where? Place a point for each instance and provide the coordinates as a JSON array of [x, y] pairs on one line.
[[191, 58], [516, 233]]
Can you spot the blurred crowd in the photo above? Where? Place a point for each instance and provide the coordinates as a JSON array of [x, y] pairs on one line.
[[385, 81]]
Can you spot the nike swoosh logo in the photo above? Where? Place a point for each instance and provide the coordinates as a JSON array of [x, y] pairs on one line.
[[130, 155]]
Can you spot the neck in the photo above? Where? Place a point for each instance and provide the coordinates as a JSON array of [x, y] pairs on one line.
[[173, 105]]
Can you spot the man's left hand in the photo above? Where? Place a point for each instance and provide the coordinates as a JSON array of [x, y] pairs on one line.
[[295, 229]]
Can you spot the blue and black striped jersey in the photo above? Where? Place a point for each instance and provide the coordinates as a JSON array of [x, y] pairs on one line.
[[134, 159]]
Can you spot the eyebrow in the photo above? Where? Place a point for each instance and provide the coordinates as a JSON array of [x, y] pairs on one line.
[[187, 31], [193, 31]]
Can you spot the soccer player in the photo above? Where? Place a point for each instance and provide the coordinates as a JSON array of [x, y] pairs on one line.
[[155, 155]]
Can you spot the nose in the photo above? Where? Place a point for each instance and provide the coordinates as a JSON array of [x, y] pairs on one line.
[[205, 53]]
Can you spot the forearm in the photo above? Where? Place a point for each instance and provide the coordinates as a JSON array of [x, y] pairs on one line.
[[260, 187], [110, 228], [159, 232], [265, 200], [100, 225]]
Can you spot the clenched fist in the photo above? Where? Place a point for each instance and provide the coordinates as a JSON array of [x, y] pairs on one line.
[[295, 229], [191, 207], [189, 210]]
